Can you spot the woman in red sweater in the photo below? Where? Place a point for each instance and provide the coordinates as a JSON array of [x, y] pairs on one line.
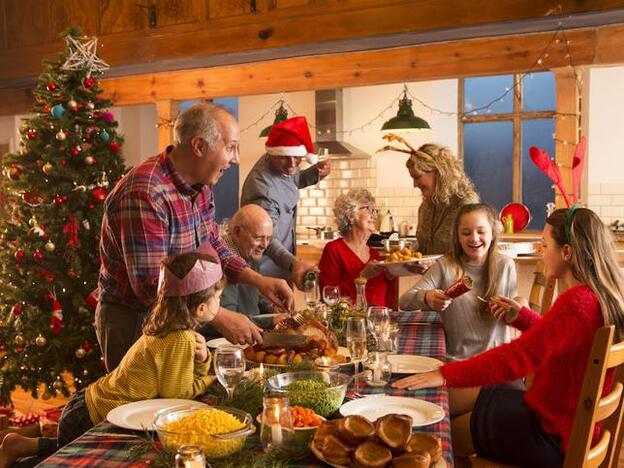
[[532, 427], [345, 259]]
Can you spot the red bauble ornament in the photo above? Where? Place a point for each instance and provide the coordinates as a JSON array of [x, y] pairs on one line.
[[92, 299], [19, 255], [91, 206], [58, 200], [63, 162], [99, 193], [17, 309], [88, 82], [72, 274], [31, 134], [114, 146], [49, 296], [75, 151], [51, 86], [15, 172], [46, 108], [86, 346], [38, 255]]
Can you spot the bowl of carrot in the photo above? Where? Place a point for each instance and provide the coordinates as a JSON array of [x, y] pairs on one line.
[[305, 422]]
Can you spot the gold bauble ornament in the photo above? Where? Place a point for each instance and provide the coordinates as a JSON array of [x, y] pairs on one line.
[[89, 160], [46, 395], [18, 340], [80, 353], [49, 246], [57, 385], [60, 136], [41, 340], [47, 168]]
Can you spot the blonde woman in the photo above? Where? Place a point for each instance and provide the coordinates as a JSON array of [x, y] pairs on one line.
[[532, 427], [445, 189]]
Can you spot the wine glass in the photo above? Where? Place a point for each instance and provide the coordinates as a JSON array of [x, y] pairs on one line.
[[356, 342], [312, 295], [229, 365], [331, 294], [378, 319]]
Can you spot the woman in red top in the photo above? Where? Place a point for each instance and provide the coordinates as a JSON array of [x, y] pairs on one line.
[[532, 427], [345, 259]]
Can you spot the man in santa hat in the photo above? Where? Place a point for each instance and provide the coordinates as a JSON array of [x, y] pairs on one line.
[[274, 183]]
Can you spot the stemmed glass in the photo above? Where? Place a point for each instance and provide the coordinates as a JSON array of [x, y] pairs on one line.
[[356, 342], [229, 365], [378, 319], [331, 295], [312, 295]]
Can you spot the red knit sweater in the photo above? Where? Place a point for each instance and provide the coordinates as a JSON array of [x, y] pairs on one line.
[[339, 266], [554, 347]]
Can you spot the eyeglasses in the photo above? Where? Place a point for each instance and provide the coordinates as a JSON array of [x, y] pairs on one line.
[[369, 209]]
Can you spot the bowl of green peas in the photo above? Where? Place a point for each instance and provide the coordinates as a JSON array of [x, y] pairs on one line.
[[322, 392]]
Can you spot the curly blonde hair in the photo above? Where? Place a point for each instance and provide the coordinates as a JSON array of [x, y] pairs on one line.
[[346, 207], [451, 180]]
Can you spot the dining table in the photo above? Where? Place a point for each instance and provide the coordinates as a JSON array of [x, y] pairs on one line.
[[420, 333]]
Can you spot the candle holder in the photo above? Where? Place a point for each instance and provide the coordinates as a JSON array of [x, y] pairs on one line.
[[379, 369], [277, 429], [190, 456]]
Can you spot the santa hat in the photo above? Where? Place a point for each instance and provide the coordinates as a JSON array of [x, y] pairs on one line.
[[291, 138]]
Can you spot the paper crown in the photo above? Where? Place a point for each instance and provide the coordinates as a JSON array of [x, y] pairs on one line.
[[290, 138], [203, 275]]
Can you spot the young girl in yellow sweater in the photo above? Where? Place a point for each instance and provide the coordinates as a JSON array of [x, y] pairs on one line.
[[170, 359]]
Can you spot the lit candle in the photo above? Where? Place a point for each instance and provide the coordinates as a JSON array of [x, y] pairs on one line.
[[276, 428]]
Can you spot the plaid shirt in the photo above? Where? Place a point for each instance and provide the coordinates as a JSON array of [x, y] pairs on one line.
[[152, 213]]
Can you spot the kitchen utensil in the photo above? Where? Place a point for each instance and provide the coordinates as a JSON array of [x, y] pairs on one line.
[[519, 213]]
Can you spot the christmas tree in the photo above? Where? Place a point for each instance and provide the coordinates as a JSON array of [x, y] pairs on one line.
[[53, 190]]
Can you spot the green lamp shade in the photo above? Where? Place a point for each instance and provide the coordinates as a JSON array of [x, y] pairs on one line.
[[405, 120], [281, 114]]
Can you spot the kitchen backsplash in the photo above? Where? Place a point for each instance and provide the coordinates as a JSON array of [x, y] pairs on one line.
[[608, 201], [317, 201]]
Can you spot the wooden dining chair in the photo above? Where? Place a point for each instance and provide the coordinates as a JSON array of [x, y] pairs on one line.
[[542, 290], [592, 408]]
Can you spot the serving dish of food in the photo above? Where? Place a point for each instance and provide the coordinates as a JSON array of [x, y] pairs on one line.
[[354, 440]]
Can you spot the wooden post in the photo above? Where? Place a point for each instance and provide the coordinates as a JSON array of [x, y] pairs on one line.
[[567, 125], [166, 113]]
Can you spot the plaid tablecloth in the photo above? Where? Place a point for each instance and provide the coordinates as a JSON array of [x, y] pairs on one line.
[[421, 334]]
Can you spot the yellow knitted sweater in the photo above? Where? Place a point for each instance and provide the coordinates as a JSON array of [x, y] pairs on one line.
[[154, 367]]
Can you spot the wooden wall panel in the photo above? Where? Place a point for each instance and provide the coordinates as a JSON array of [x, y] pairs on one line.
[[171, 12], [279, 4], [227, 8], [65, 13], [27, 22], [121, 16]]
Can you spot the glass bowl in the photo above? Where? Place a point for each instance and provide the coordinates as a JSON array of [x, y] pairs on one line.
[[323, 400], [196, 430]]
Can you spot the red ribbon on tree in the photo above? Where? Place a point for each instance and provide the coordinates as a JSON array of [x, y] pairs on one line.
[[71, 229]]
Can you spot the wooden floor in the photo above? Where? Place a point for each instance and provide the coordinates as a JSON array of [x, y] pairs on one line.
[[24, 403]]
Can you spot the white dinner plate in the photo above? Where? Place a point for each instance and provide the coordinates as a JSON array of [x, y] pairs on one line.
[[374, 407], [140, 415], [400, 268], [410, 364], [218, 342]]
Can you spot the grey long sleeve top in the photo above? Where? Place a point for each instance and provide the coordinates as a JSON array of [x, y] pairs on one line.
[[468, 330]]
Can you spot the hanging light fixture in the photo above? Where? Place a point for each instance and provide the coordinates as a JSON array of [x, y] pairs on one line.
[[405, 120], [281, 114]]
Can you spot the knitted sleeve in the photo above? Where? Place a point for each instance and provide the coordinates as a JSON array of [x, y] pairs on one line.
[[414, 299], [564, 328]]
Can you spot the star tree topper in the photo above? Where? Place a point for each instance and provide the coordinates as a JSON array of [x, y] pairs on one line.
[[83, 56]]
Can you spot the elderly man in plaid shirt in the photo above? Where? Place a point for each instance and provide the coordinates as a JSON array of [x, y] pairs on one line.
[[165, 206]]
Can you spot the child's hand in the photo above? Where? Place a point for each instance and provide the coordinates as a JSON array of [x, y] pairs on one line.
[[503, 308], [416, 381], [201, 351], [437, 300]]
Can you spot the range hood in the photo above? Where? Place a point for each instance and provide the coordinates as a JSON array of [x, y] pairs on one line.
[[329, 126]]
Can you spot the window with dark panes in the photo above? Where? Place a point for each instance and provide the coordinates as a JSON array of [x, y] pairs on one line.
[[497, 134]]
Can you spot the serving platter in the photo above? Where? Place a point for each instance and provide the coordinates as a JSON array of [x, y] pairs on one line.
[[401, 268]]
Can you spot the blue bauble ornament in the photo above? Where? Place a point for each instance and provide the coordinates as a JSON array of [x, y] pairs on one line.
[[104, 135], [58, 111]]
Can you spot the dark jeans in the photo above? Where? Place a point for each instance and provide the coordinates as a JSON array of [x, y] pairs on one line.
[[74, 422], [117, 328]]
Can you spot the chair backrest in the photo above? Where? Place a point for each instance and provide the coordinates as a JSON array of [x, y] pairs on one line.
[[592, 408], [542, 290]]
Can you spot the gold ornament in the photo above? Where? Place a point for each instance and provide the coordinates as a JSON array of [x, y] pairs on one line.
[[41, 340], [49, 246], [46, 395], [47, 168], [73, 105], [80, 353], [57, 385], [86, 224], [89, 160], [19, 340], [60, 136]]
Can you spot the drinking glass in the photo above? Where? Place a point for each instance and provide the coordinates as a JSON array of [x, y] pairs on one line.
[[331, 295], [378, 319], [312, 295], [356, 342], [277, 429], [229, 365], [380, 369]]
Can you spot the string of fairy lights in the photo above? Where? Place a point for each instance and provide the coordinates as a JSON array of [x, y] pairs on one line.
[[558, 37]]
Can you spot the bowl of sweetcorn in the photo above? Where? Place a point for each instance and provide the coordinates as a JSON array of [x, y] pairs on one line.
[[219, 431]]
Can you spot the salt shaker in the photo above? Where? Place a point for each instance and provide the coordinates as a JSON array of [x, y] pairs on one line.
[[190, 456]]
